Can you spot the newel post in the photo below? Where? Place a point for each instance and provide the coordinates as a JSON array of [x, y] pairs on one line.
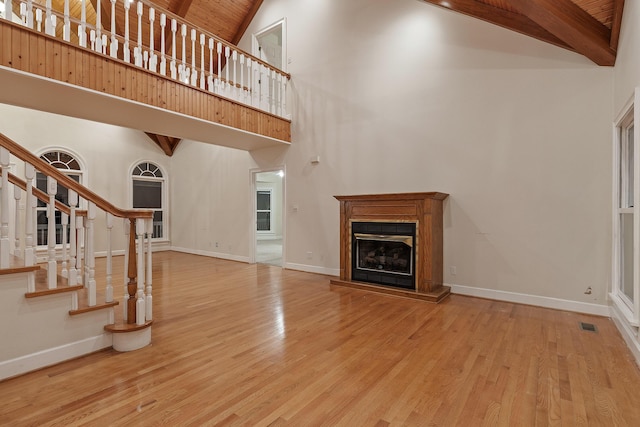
[[132, 284]]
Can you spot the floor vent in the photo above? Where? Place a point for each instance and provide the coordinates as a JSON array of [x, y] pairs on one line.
[[588, 327]]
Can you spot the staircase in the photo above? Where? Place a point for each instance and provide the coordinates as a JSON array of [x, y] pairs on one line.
[[63, 307]]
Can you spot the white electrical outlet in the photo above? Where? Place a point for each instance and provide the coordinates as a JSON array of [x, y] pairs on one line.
[[453, 270]]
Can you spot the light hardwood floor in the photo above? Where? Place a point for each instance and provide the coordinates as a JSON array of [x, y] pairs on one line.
[[255, 345]]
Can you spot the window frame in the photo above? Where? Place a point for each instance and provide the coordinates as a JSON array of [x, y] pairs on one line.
[[626, 203], [270, 231], [82, 179], [164, 194]]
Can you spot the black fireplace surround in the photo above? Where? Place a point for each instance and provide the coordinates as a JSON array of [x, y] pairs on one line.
[[384, 253]]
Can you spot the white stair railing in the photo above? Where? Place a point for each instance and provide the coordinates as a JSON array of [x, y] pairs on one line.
[[64, 257], [232, 73]]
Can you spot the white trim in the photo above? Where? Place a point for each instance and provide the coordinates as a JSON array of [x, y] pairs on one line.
[[220, 255], [312, 269], [254, 41], [253, 186], [540, 301], [51, 356], [629, 335]]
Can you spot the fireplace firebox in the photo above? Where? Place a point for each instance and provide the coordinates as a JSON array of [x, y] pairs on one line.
[[384, 253]]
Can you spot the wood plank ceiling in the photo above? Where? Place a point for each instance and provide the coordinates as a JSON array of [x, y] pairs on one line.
[[588, 27]]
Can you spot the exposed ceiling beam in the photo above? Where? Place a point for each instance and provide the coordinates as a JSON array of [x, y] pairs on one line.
[[616, 24], [504, 18], [247, 20], [567, 21], [166, 143]]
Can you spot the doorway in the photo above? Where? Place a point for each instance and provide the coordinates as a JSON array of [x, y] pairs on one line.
[[269, 44], [268, 214]]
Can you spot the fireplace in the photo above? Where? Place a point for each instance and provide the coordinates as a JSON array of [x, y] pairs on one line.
[[392, 243], [384, 253]]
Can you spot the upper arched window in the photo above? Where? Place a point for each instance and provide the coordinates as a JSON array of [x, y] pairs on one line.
[[70, 166], [149, 192]]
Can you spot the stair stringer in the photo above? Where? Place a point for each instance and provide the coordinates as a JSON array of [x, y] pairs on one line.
[[39, 332]]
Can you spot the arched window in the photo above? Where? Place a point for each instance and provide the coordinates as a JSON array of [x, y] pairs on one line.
[[68, 165], [148, 191]]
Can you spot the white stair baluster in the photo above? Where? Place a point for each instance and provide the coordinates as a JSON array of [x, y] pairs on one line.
[[4, 206], [234, 58], [90, 261], [113, 49], [183, 34], [52, 273], [82, 29], [29, 244], [127, 51], [30, 14], [23, 13], [8, 10], [174, 29], [92, 39], [125, 303], [202, 68], [242, 93], [66, 31], [30, 255], [79, 248], [249, 81], [47, 19], [17, 196], [109, 288], [104, 40], [98, 27], [73, 238], [163, 60], [138, 49], [149, 298], [39, 20], [194, 72], [153, 58], [64, 223], [210, 79], [219, 76], [140, 302], [227, 85]]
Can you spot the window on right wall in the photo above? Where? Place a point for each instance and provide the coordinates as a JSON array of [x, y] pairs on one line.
[[148, 192], [625, 290]]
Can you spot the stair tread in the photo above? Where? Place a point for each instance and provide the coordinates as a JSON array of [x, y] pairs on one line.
[[120, 327], [83, 306], [16, 265], [43, 289]]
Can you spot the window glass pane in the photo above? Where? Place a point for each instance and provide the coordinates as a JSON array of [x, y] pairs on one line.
[[157, 224], [264, 200], [147, 194], [626, 259], [264, 221]]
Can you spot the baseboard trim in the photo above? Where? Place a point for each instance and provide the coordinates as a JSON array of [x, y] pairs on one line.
[[211, 254], [31, 362], [547, 302], [312, 269]]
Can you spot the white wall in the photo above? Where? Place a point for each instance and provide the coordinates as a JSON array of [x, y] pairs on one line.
[[400, 96]]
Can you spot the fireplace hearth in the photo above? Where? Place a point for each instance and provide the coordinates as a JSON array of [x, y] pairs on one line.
[[392, 243]]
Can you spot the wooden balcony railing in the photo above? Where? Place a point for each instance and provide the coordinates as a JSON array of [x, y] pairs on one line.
[[149, 55]]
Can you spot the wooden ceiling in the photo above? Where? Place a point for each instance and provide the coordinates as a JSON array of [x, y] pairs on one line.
[[588, 27]]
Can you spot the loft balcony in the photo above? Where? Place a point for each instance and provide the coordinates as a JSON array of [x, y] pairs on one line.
[[132, 64]]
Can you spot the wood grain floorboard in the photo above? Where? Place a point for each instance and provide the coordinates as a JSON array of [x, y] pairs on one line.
[[255, 345]]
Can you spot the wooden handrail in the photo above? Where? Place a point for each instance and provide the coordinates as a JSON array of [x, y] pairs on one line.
[[26, 156], [42, 196]]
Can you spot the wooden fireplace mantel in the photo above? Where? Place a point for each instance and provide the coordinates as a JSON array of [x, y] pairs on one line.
[[426, 211]]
